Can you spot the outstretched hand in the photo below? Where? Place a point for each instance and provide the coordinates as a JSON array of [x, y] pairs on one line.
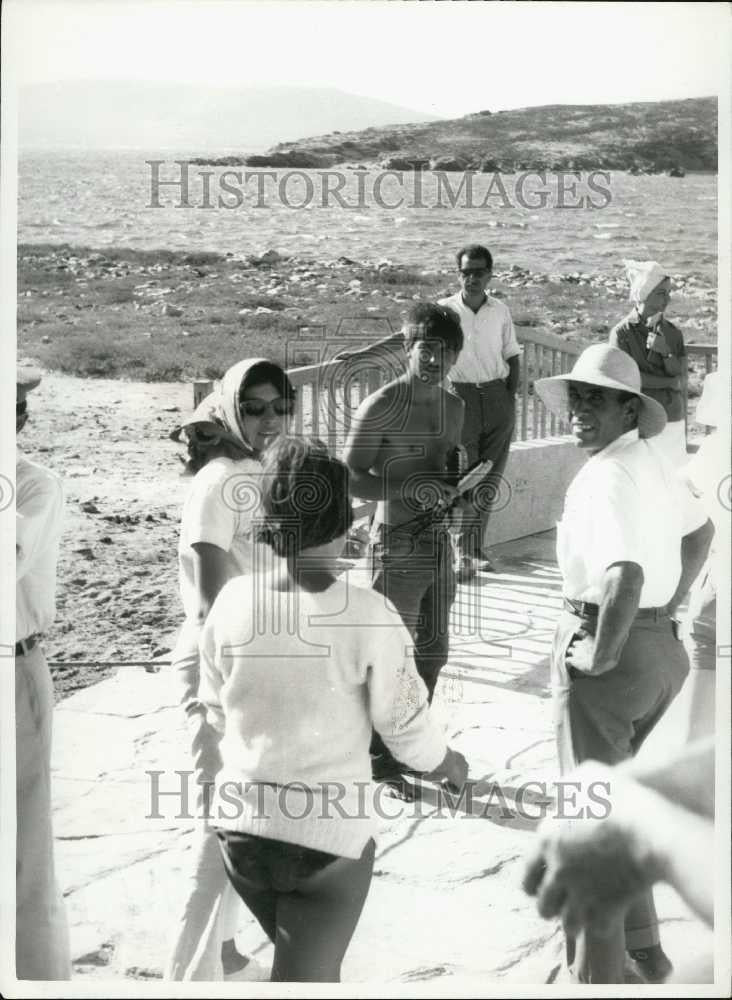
[[453, 770], [588, 870]]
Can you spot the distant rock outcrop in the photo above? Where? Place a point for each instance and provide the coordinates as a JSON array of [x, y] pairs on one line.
[[652, 137], [299, 159], [449, 163], [405, 163]]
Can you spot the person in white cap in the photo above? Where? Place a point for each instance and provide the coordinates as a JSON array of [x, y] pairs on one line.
[[657, 347], [631, 541], [41, 930]]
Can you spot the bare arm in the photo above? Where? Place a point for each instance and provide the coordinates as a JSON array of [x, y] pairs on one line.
[[694, 551], [212, 567], [514, 366], [590, 870], [363, 448], [622, 585], [361, 453], [687, 778], [389, 347]]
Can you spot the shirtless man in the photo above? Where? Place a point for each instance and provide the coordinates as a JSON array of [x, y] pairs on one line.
[[400, 450]]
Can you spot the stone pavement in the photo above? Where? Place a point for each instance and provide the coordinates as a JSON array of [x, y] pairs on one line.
[[445, 906]]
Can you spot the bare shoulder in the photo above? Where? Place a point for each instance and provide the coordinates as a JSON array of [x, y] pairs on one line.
[[379, 403]]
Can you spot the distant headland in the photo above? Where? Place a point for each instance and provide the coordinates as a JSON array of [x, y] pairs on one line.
[[651, 137]]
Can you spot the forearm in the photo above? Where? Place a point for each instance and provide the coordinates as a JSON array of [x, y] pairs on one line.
[[367, 485], [619, 603], [686, 779], [685, 854], [672, 365], [694, 552], [514, 371], [386, 347]]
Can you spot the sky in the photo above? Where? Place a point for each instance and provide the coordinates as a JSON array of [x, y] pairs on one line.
[[446, 59]]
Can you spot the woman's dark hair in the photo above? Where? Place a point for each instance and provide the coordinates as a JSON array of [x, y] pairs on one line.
[[305, 502], [204, 444], [268, 373]]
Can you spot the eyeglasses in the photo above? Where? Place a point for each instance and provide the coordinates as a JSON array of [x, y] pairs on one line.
[[476, 272], [280, 407]]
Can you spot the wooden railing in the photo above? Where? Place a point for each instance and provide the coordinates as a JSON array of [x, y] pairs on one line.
[[329, 394], [711, 359]]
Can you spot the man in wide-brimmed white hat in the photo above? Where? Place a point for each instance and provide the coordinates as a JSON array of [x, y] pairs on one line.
[[657, 347], [41, 931], [631, 541]]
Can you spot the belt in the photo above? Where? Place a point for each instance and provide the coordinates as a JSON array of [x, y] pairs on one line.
[[24, 646], [586, 610], [483, 385]]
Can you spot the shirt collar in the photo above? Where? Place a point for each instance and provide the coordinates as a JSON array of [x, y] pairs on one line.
[[488, 301], [617, 445]]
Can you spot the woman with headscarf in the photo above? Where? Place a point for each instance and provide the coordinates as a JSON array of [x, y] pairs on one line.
[[657, 347], [226, 436]]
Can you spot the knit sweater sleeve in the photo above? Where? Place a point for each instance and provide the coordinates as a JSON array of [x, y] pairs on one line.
[[398, 705]]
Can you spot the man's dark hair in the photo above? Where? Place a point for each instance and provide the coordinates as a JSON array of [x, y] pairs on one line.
[[428, 321], [475, 251]]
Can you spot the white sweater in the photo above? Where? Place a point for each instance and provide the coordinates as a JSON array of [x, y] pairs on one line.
[[294, 681]]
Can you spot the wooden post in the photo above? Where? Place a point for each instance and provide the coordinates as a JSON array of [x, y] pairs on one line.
[[202, 387], [524, 389]]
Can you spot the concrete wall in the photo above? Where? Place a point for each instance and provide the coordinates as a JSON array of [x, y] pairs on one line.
[[531, 498]]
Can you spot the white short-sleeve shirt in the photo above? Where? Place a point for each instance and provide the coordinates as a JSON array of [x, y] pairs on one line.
[[38, 523], [220, 508], [489, 340], [626, 504]]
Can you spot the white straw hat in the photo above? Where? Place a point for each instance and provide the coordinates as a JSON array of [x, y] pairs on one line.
[[610, 368]]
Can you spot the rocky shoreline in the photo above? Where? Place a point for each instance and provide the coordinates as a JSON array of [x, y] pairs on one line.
[[169, 316]]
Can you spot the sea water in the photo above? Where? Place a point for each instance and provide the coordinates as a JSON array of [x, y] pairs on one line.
[[109, 199]]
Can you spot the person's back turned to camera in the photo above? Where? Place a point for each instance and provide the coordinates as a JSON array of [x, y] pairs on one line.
[[296, 667]]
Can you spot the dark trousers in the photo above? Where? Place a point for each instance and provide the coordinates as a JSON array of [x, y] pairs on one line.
[[607, 718], [415, 573], [490, 416], [308, 902]]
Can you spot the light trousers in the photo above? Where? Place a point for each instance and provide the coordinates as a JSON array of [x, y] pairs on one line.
[[211, 909], [41, 929]]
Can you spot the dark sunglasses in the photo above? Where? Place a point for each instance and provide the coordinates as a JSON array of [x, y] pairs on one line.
[[478, 272], [280, 407]]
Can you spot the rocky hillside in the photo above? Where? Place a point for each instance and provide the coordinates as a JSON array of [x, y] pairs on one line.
[[672, 136]]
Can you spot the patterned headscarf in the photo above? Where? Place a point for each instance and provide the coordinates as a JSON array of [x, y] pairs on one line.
[[218, 416]]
